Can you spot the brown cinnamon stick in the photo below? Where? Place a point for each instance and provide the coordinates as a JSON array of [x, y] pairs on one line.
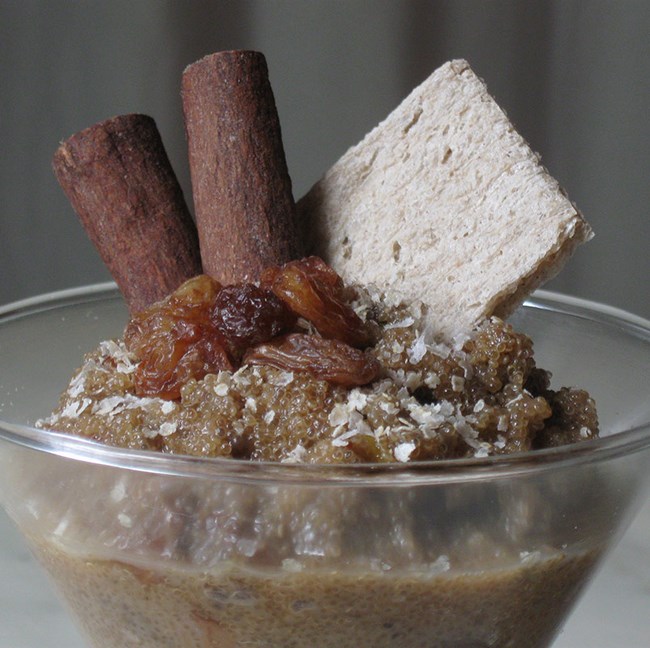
[[244, 208], [119, 180]]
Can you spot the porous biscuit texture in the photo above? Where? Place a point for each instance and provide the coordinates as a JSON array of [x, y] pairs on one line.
[[445, 202]]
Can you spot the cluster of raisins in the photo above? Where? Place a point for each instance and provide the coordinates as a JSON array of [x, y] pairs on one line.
[[204, 327]]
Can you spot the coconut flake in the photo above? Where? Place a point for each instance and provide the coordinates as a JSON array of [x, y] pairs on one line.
[[418, 349], [78, 383], [459, 340], [388, 406], [469, 434], [283, 378], [339, 415], [482, 451], [124, 361], [296, 455], [357, 400], [221, 389], [167, 428], [403, 323], [74, 408], [403, 451], [359, 423], [111, 405], [432, 380], [342, 440], [429, 417], [167, 407]]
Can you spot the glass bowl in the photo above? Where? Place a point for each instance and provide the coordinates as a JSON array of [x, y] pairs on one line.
[[157, 550]]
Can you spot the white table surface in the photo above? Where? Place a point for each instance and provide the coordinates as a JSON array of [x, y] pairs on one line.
[[614, 613]]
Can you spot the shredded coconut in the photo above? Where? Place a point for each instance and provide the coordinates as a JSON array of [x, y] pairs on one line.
[[124, 361], [418, 350], [168, 407], [459, 340], [284, 378], [167, 428], [113, 405], [74, 408], [469, 434], [221, 389], [403, 451], [432, 380], [413, 379], [78, 383], [296, 455], [403, 323], [339, 415], [342, 440], [357, 399], [483, 450]]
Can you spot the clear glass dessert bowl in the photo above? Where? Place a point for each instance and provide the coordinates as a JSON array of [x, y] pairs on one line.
[[158, 550]]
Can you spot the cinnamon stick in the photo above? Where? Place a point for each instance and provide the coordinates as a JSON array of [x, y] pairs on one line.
[[119, 180], [244, 208]]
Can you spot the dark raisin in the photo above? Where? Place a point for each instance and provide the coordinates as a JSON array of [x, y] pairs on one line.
[[247, 315]]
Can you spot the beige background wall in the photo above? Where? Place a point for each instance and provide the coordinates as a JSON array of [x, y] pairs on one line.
[[573, 75]]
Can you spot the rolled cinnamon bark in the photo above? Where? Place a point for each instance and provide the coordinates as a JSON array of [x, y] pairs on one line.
[[244, 208], [119, 180]]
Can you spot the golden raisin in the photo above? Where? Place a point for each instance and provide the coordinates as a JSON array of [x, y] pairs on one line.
[[175, 340], [330, 360], [314, 291]]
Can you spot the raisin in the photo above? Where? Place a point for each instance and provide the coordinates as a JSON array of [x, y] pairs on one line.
[[175, 340], [191, 297], [368, 449], [314, 291], [203, 328], [330, 360], [247, 315], [314, 265]]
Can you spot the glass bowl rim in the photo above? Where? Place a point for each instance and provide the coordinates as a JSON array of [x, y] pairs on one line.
[[400, 474]]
